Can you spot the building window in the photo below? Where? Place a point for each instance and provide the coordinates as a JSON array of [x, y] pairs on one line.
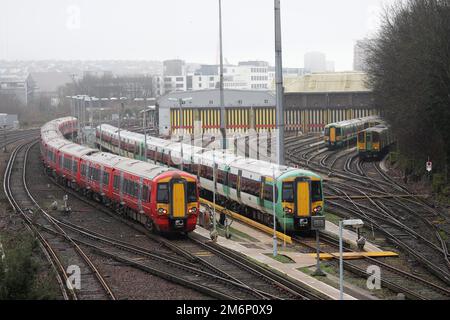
[[199, 85], [211, 78], [240, 101], [180, 85], [179, 79], [211, 102], [266, 101]]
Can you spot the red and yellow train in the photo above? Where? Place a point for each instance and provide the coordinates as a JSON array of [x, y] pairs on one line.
[[160, 198]]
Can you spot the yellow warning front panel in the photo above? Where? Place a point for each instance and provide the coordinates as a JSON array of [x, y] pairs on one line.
[[332, 134], [303, 203], [178, 201]]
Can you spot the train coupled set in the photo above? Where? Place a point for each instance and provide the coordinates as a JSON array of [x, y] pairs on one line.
[[241, 184], [160, 198]]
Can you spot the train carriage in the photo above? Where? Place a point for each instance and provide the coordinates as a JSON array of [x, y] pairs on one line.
[[159, 197], [339, 134], [374, 142], [240, 183]]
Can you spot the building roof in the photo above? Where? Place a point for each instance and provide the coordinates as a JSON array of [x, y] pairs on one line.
[[50, 81], [211, 98], [327, 82]]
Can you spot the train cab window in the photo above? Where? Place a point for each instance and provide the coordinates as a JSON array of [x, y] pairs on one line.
[[375, 137], [191, 192], [338, 131], [327, 131], [288, 192], [162, 194], [316, 191], [361, 137]]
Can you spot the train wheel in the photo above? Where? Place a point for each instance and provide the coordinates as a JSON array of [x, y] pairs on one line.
[[150, 226]]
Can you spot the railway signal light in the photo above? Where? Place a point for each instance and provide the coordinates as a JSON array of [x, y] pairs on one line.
[[429, 166]]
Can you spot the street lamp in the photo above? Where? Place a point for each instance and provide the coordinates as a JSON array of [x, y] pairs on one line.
[[357, 224], [144, 128], [181, 101], [275, 244], [100, 125]]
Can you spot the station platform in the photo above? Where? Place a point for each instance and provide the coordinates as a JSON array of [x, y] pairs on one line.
[[348, 236], [260, 251], [355, 255]]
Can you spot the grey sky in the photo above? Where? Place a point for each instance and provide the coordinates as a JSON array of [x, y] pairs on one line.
[[165, 29]]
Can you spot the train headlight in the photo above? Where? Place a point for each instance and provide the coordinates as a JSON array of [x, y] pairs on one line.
[[287, 210], [162, 211], [317, 209], [192, 210]]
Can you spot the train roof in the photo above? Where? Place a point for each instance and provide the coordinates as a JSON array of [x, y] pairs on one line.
[[379, 128], [222, 158], [352, 121], [49, 135], [132, 166], [77, 150], [58, 143]]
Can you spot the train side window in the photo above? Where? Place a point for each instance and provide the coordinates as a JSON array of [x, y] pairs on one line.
[[116, 182], [222, 177], [105, 178], [268, 192], [83, 170], [163, 193], [250, 186], [145, 194], [288, 192], [232, 178]]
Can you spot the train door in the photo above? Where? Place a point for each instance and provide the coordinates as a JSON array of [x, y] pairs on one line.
[[302, 197]]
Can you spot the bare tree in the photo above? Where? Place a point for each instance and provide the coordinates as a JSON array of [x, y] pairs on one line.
[[409, 71]]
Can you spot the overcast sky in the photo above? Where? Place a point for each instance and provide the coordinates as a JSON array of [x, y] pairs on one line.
[[186, 29]]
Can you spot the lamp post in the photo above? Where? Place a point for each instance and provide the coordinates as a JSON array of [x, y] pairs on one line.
[[357, 224], [181, 101], [275, 244], [100, 125], [144, 128]]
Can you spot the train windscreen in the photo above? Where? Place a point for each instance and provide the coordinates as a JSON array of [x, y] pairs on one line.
[[316, 191], [163, 193], [288, 192], [191, 192]]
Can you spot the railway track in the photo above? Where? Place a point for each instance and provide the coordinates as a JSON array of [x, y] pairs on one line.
[[59, 248], [219, 278], [396, 217], [393, 278]]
